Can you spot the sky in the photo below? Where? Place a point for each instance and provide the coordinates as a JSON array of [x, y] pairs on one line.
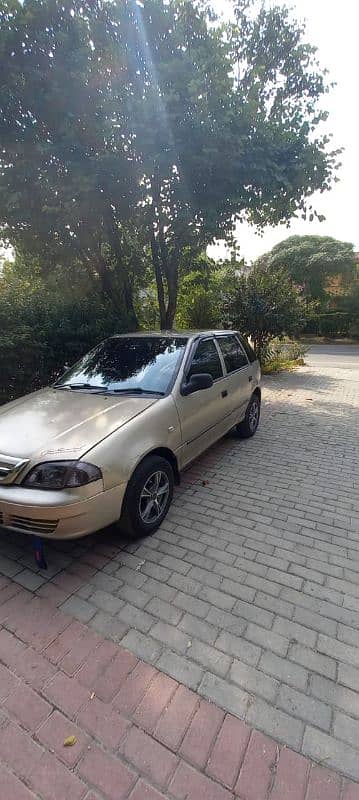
[[333, 28]]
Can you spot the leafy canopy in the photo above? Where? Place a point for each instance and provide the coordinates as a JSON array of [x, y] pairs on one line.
[[134, 130], [311, 261], [46, 324]]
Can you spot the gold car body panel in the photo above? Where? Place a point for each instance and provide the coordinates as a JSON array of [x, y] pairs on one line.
[[62, 424], [112, 432]]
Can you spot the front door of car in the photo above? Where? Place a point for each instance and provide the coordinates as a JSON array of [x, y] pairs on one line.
[[239, 373], [203, 414]]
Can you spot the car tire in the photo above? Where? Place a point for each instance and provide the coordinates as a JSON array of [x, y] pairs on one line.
[[249, 426], [148, 497]]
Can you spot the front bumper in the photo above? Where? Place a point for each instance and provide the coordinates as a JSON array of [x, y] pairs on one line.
[[60, 515]]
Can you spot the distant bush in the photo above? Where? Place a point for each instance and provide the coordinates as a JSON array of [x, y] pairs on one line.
[[40, 333], [354, 329], [202, 298], [266, 305], [332, 323]]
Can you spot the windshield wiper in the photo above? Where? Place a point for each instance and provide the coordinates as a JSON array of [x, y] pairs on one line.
[[134, 390], [137, 390], [81, 386]]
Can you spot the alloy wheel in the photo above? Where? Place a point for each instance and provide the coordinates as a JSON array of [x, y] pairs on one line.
[[253, 416], [154, 496]]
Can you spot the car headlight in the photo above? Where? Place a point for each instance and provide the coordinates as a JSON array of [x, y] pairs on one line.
[[62, 475]]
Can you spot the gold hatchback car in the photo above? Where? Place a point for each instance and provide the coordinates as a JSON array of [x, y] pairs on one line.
[[108, 440]]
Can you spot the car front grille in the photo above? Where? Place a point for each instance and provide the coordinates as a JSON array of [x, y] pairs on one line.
[[29, 524]]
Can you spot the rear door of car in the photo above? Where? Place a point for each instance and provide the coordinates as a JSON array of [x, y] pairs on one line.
[[240, 374], [204, 415]]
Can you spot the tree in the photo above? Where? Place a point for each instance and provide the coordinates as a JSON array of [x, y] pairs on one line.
[[138, 130], [348, 302], [312, 261], [266, 304], [45, 325], [203, 293], [69, 182]]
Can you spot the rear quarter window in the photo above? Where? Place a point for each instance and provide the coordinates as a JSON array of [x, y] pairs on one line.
[[248, 348], [232, 351]]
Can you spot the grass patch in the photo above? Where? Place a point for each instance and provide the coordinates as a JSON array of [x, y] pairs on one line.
[[283, 355], [281, 365]]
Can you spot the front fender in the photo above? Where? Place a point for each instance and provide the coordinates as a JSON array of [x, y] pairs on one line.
[[119, 454]]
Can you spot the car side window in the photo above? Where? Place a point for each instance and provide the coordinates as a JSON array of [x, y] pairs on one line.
[[206, 360], [233, 354], [247, 347]]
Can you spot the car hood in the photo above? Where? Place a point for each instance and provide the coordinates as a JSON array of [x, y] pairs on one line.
[[63, 424]]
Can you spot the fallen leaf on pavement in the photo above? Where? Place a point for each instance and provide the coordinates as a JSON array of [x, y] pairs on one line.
[[70, 741]]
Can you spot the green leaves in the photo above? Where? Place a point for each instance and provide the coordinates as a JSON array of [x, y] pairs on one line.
[[46, 322], [266, 304], [312, 261], [152, 123]]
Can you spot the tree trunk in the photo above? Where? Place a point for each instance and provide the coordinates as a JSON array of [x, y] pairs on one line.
[[159, 281], [103, 274], [172, 285], [165, 264], [128, 298], [117, 297], [166, 274], [260, 342], [123, 276]]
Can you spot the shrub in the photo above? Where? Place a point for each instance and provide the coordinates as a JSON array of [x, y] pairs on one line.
[[332, 323], [282, 355], [266, 304], [354, 329], [42, 332], [202, 297]]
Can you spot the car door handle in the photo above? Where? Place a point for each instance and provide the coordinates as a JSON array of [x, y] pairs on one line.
[[224, 393], [250, 378]]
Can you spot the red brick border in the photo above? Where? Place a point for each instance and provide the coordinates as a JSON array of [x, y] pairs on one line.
[[139, 734]]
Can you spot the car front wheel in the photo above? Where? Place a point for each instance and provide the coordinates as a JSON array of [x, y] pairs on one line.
[[148, 496]]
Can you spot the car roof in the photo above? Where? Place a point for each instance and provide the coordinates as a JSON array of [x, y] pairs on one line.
[[173, 334]]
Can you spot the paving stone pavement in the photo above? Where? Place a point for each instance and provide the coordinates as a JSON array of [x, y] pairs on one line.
[[136, 733], [249, 592]]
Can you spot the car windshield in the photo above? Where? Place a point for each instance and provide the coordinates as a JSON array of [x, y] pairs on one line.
[[125, 364]]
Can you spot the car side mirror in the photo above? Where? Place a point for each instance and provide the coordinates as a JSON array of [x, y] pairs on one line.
[[197, 382]]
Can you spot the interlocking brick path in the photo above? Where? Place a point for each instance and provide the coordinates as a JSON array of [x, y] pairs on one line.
[[139, 734], [249, 592]]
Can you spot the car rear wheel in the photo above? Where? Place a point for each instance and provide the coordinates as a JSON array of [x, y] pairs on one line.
[[148, 496], [248, 427]]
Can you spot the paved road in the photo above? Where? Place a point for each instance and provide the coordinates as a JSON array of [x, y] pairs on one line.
[[331, 356], [249, 593]]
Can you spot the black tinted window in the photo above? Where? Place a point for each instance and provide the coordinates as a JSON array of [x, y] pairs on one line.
[[234, 357], [206, 360], [145, 363], [249, 350]]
